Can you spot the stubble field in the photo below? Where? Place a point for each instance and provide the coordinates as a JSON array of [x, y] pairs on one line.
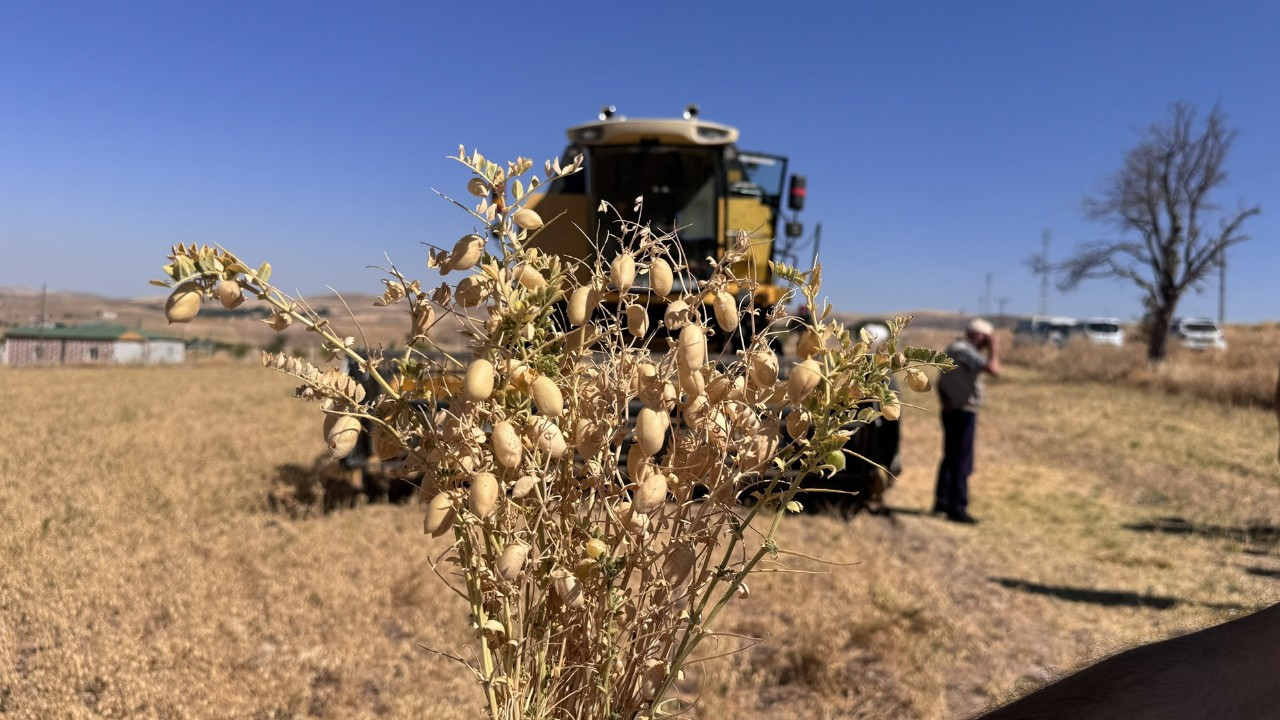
[[145, 571]]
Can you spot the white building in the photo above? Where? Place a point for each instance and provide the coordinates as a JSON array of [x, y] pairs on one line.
[[89, 345]]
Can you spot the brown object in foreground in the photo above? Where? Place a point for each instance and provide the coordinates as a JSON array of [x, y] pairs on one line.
[[1226, 671]]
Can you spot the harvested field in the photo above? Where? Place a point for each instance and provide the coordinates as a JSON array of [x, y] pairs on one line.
[[1111, 516]]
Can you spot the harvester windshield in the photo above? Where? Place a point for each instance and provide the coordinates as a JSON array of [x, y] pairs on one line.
[[678, 185], [759, 175]]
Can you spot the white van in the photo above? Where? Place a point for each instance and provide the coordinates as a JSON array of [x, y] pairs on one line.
[[1198, 334], [1100, 331], [1043, 330]]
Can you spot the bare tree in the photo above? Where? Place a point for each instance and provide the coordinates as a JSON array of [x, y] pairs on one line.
[[1161, 195]]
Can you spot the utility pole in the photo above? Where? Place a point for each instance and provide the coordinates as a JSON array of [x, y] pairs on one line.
[[1044, 272], [817, 243], [986, 297], [1002, 302], [1222, 287]]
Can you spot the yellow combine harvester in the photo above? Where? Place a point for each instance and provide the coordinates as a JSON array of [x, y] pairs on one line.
[[694, 181]]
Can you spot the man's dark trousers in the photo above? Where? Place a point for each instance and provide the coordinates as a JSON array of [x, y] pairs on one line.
[[952, 493]]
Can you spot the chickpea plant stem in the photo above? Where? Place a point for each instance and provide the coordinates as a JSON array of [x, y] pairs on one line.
[[597, 549]]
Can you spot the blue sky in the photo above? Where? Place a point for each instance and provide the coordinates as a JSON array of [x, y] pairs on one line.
[[939, 138]]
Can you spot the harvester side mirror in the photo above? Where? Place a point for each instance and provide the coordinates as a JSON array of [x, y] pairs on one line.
[[795, 229], [795, 196]]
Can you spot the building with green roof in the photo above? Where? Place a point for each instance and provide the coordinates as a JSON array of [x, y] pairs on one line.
[[95, 344]]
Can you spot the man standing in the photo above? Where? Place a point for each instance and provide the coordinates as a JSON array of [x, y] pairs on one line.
[[960, 392]]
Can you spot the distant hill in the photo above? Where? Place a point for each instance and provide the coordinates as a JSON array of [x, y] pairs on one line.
[[22, 306], [920, 319]]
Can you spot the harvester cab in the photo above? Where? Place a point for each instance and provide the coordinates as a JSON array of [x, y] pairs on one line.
[[694, 181]]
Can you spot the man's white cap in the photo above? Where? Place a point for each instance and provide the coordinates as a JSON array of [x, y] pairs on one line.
[[879, 332], [979, 326]]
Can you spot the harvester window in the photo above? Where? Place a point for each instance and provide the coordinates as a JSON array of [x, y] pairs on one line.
[[679, 186], [764, 175]]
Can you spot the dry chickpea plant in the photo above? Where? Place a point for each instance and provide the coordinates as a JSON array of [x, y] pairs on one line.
[[605, 487]]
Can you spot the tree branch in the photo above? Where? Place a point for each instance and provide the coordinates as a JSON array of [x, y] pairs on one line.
[[1101, 260], [1208, 256], [1162, 193]]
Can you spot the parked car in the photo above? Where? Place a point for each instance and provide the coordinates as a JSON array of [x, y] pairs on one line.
[[1100, 331], [1043, 329], [1198, 334]]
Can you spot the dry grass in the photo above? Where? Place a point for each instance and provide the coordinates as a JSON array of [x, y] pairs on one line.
[[1243, 375], [131, 591], [128, 590]]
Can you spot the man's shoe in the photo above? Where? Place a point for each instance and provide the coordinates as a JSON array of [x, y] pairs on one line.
[[939, 510], [962, 517]]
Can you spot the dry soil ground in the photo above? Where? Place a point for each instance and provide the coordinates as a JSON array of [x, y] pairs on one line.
[[145, 572]]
